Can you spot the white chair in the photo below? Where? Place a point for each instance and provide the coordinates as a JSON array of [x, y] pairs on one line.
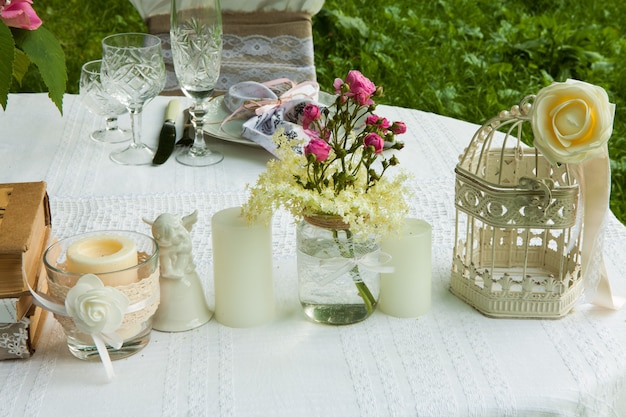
[[263, 40]]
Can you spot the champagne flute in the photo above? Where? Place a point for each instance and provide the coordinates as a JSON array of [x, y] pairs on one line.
[[196, 39], [133, 72], [102, 104]]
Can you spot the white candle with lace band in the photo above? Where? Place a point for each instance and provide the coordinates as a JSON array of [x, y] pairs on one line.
[[406, 292], [107, 256]]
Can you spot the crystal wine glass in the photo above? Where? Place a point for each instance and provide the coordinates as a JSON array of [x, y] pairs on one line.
[[133, 72], [196, 38], [102, 104]]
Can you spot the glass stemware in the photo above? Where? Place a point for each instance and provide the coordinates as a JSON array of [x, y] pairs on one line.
[[133, 72], [102, 104], [196, 39]]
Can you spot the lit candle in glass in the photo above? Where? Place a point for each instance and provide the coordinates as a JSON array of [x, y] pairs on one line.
[[105, 253], [125, 260], [406, 292]]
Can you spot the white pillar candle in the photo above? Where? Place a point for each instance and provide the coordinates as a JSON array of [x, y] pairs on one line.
[[102, 255], [407, 291], [242, 266]]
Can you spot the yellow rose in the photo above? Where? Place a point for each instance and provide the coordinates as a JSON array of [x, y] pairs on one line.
[[571, 121]]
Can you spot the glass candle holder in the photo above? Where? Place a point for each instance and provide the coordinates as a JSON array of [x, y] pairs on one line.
[[123, 260]]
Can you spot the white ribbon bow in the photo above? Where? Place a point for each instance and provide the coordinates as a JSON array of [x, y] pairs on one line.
[[332, 268]]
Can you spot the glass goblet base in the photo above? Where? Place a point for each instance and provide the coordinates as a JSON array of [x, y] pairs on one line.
[[110, 135], [197, 157], [134, 154]]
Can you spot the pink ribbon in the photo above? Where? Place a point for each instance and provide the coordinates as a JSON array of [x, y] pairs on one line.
[[304, 90]]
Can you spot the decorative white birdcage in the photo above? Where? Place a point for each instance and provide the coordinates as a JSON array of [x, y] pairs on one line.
[[517, 239]]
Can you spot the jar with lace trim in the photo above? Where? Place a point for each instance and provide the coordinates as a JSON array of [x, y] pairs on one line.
[[337, 274], [104, 287]]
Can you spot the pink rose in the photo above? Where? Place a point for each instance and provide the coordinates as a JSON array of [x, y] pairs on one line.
[[372, 119], [398, 128], [372, 139], [314, 134], [337, 84], [310, 114], [375, 120], [319, 148], [360, 87], [20, 14], [363, 99]]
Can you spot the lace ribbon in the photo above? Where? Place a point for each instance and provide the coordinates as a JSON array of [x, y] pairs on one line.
[[594, 177], [332, 268], [100, 339]]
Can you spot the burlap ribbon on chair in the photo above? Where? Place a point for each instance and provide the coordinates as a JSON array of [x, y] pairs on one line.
[[258, 46]]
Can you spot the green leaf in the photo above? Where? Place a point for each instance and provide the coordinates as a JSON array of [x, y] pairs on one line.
[[20, 65], [46, 53], [7, 49], [352, 23]]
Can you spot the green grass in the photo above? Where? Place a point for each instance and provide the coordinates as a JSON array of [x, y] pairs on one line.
[[469, 59], [80, 26], [466, 59]]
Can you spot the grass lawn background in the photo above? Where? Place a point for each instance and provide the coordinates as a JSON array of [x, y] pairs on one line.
[[467, 59]]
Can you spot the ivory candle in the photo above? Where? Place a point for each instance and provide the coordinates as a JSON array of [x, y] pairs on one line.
[[242, 266], [107, 255], [406, 292]]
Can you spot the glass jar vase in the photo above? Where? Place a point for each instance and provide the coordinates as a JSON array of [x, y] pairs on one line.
[[338, 281]]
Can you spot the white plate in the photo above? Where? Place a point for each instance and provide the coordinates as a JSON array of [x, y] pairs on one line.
[[231, 130]]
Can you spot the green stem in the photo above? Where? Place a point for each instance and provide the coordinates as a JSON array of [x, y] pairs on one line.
[[364, 291]]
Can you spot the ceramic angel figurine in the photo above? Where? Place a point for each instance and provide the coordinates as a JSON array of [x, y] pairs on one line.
[[183, 305]]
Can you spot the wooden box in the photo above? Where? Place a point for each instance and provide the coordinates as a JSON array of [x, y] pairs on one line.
[[24, 233]]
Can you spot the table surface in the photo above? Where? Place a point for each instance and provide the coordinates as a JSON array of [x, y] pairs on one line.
[[452, 361]]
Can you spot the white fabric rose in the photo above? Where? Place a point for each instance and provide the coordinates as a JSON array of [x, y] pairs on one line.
[[96, 309], [571, 121]]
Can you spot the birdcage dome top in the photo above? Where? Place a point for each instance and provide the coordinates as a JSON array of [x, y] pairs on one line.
[[500, 154]]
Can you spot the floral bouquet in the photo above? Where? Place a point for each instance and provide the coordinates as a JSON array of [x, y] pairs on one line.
[[338, 168], [23, 40], [336, 179]]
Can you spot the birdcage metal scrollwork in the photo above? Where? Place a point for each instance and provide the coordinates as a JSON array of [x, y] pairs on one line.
[[517, 236]]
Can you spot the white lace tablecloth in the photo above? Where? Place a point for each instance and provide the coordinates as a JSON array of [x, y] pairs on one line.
[[450, 362]]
